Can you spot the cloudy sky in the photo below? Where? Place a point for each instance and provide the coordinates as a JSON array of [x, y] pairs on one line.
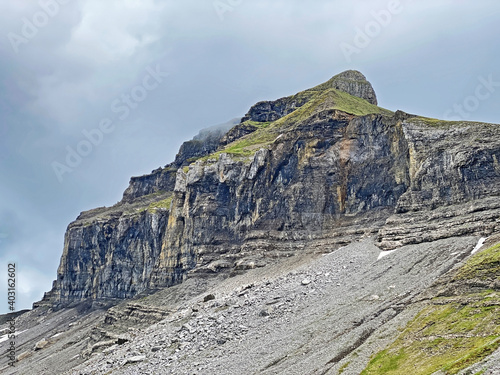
[[93, 92]]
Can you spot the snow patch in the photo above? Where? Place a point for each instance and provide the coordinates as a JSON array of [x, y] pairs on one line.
[[479, 245], [6, 337], [385, 253]]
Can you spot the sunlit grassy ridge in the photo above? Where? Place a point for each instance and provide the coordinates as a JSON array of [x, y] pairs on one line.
[[448, 335], [484, 265], [436, 123], [318, 101], [163, 204]]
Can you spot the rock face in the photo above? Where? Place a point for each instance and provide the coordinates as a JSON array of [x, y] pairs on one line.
[[115, 257], [454, 173], [354, 83], [163, 179], [324, 166]]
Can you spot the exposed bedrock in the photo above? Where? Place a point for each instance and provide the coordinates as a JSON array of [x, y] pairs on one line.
[[311, 172]]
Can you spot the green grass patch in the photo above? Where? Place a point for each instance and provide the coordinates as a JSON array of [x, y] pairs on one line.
[[316, 100], [249, 144], [260, 125], [436, 123], [246, 146], [330, 99], [356, 106], [164, 204], [192, 160], [447, 337], [344, 367], [473, 357], [483, 265]]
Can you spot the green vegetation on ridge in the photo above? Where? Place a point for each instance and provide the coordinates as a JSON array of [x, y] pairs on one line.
[[436, 122], [246, 146], [163, 204], [320, 101], [484, 265], [447, 337], [445, 124], [330, 99]]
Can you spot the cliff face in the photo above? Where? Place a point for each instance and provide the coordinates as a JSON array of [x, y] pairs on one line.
[[323, 167], [115, 257], [454, 187], [163, 179], [314, 184]]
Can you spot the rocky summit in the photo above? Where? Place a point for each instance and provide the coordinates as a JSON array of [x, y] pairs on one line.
[[319, 234]]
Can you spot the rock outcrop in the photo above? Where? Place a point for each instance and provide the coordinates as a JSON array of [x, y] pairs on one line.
[[322, 167], [355, 84], [163, 179], [454, 188]]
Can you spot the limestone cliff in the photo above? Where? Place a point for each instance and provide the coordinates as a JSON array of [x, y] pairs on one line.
[[324, 166]]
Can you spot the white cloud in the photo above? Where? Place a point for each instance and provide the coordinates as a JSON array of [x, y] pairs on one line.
[[111, 32]]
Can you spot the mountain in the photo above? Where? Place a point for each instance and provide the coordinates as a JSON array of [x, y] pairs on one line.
[[266, 234]]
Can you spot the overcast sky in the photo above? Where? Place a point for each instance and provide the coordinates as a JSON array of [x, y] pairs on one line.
[[138, 77]]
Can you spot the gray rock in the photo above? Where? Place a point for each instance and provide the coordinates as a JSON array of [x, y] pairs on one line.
[[41, 344], [208, 297], [163, 179], [266, 312], [354, 83], [135, 359]]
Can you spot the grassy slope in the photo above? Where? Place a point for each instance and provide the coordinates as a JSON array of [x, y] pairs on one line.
[[436, 123], [484, 265], [163, 204], [318, 101], [450, 334]]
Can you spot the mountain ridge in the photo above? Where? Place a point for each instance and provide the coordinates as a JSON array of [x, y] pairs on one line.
[[274, 231], [214, 188]]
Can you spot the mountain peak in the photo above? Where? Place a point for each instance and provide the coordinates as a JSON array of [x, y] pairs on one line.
[[353, 83], [350, 82], [351, 74]]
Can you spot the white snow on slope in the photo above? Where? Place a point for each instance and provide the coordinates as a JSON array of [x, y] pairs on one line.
[[479, 245], [385, 253]]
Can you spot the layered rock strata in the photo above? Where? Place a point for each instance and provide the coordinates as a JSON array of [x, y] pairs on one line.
[[308, 172]]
